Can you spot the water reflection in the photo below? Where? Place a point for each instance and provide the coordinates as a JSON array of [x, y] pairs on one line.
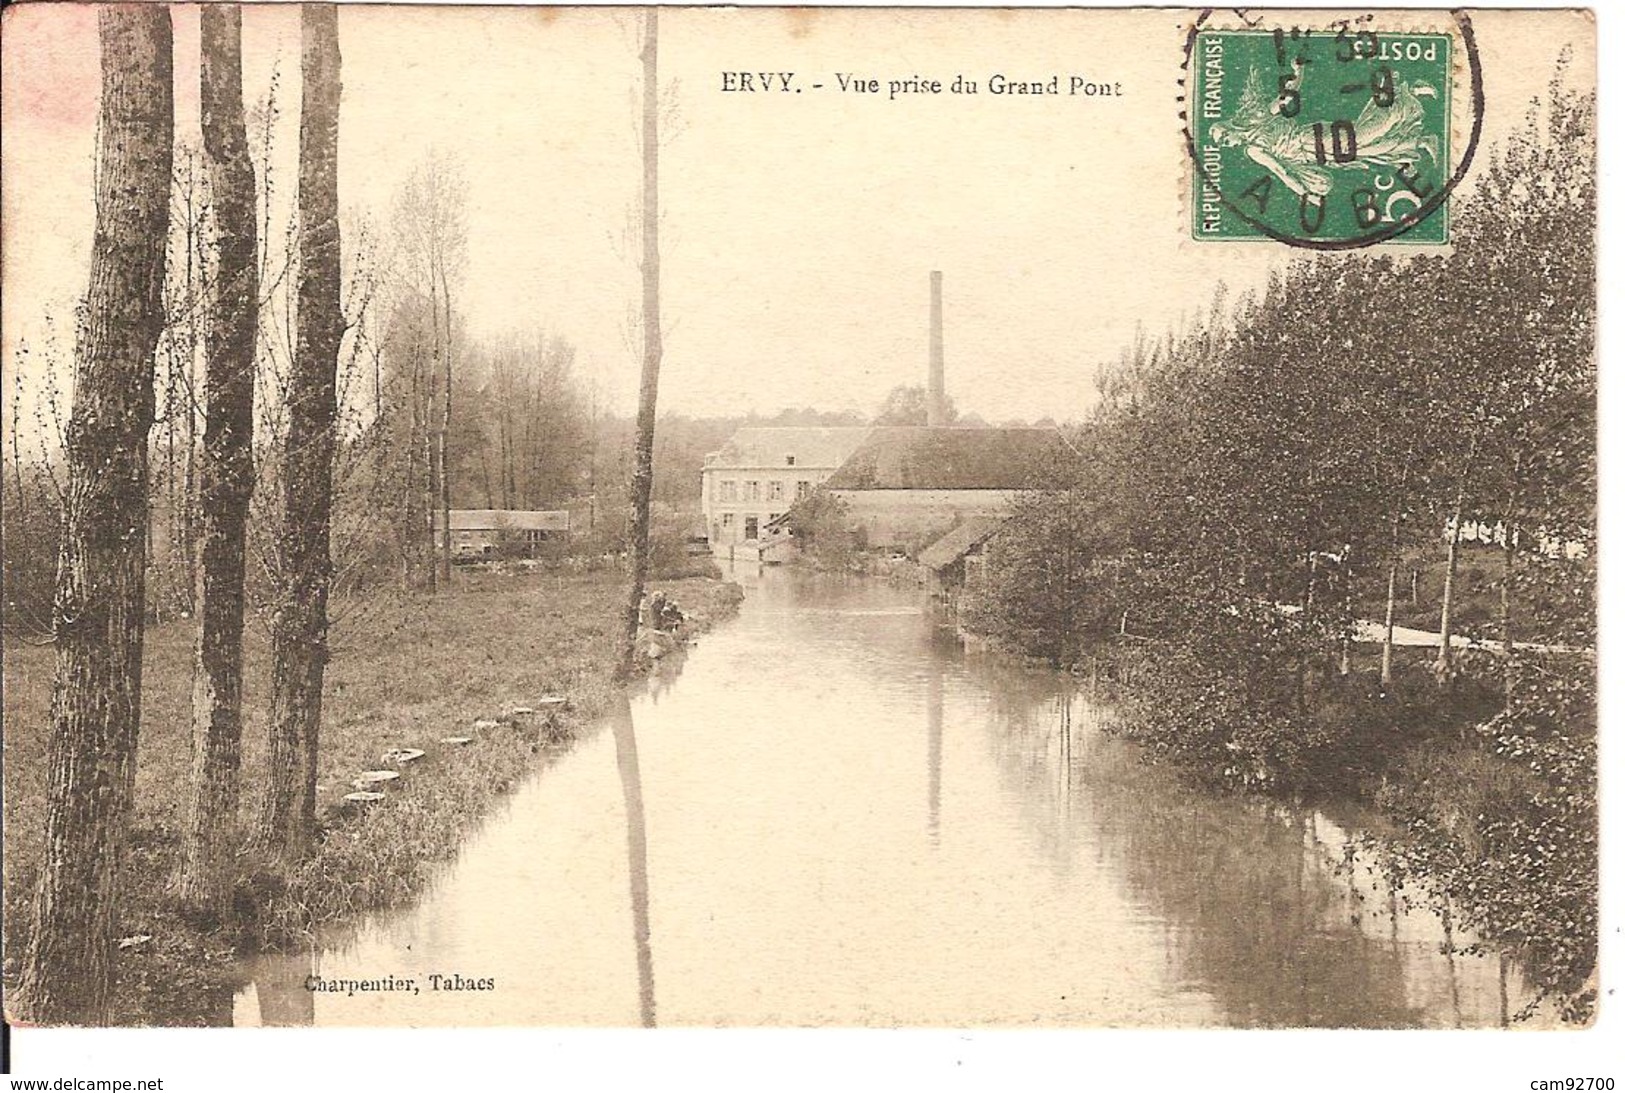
[[283, 989], [1260, 910], [637, 854], [765, 813], [933, 753]]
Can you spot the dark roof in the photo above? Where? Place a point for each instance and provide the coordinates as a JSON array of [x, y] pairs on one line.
[[960, 541], [917, 457], [766, 447]]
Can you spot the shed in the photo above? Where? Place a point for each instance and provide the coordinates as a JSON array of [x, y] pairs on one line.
[[485, 533], [946, 560]]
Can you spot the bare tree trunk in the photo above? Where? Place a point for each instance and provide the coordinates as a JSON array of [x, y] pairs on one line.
[[592, 461], [431, 507], [165, 568], [445, 433], [299, 625], [524, 462], [1308, 605], [442, 508], [1387, 674], [643, 467], [505, 444], [412, 519], [1345, 661], [195, 292], [1388, 613], [67, 974], [1444, 667], [1509, 549], [1508, 556], [228, 469], [20, 512], [431, 481]]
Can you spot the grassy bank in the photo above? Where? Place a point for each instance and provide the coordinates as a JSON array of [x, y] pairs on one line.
[[404, 674]]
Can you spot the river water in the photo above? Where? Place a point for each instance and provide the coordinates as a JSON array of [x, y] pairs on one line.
[[830, 814]]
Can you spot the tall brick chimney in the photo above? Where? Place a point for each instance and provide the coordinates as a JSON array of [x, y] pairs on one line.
[[936, 394]]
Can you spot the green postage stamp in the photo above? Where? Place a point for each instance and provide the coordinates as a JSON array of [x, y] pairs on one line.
[[1323, 137]]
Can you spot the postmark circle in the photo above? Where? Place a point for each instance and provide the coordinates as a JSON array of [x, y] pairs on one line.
[[1256, 146]]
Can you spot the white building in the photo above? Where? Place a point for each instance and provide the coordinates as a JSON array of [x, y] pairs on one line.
[[761, 472]]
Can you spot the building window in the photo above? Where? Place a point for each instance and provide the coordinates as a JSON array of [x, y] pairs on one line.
[[803, 488], [730, 490], [789, 461], [775, 491], [752, 526], [727, 519], [753, 491]]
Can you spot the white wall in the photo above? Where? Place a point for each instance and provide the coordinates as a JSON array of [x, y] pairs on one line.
[[912, 518]]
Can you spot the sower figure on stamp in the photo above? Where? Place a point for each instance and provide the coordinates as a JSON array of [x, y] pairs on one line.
[[1383, 135]]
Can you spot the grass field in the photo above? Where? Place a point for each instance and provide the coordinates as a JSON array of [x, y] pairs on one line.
[[405, 673], [1477, 595]]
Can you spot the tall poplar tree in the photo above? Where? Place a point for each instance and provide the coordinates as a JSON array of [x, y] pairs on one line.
[[643, 456], [299, 624], [98, 616], [228, 464]]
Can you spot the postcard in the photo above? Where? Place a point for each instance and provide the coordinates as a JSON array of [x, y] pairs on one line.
[[833, 518]]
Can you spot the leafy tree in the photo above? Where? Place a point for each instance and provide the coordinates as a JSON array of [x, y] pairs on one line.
[[1036, 596], [1253, 486], [823, 529], [906, 405]]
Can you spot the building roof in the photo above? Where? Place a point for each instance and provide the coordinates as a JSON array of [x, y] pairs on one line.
[[960, 541], [766, 447], [915, 457], [507, 520]]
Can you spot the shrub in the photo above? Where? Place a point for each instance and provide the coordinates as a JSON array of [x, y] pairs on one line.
[[31, 519]]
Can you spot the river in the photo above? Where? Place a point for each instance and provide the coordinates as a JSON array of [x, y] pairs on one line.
[[831, 814]]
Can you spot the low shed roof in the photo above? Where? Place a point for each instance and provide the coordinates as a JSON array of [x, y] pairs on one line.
[[960, 541]]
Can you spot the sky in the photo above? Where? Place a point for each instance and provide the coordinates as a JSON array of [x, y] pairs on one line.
[[798, 230]]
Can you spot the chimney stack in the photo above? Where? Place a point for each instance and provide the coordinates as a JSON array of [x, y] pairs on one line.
[[936, 395]]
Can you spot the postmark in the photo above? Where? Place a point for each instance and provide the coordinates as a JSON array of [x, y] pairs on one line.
[[1329, 136]]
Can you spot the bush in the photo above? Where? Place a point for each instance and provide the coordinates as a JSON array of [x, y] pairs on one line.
[[1502, 825], [1043, 590], [822, 526], [1241, 730], [28, 544]]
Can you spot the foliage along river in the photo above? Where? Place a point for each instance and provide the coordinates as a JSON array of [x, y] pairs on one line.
[[837, 816]]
